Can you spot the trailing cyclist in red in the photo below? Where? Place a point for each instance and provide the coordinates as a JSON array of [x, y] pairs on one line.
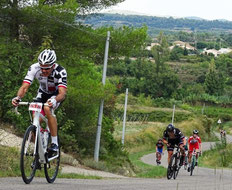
[[194, 144]]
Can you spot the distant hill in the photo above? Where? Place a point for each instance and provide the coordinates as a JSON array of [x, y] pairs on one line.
[[154, 22]]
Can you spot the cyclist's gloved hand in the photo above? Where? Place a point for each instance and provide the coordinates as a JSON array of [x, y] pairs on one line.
[[52, 102], [15, 101]]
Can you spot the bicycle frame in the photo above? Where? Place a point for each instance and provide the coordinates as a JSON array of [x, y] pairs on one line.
[[194, 154], [42, 149], [193, 161], [176, 152], [173, 166], [158, 155]]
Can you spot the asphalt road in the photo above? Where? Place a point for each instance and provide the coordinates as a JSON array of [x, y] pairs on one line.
[[202, 179]]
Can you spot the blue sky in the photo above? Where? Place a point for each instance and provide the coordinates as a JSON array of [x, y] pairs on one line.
[[207, 9]]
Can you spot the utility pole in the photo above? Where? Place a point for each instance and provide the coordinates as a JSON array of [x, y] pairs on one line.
[[173, 113], [203, 109], [100, 114], [124, 117], [195, 38]]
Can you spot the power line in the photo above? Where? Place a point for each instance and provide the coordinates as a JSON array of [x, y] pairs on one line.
[[103, 37]]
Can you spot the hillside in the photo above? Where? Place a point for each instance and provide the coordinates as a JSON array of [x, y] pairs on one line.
[[154, 22]]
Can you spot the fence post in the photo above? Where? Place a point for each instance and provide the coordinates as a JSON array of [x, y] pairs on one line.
[[124, 118]]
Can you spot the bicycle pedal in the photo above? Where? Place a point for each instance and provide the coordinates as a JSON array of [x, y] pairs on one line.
[[51, 154], [37, 166]]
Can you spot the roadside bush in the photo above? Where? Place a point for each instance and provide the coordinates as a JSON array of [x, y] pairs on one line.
[[147, 137], [145, 101], [188, 126], [218, 156], [132, 100], [225, 117]]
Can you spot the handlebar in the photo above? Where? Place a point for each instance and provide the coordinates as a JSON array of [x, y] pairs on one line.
[[27, 104]]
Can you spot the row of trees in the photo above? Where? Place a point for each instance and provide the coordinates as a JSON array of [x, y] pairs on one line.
[[158, 22], [186, 77], [26, 28]]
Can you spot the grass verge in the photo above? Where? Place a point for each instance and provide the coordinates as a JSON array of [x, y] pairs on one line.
[[218, 157], [10, 161], [145, 170]]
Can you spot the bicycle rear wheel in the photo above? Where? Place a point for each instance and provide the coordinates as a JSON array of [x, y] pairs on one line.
[[28, 160], [170, 168], [158, 156], [186, 162], [51, 168]]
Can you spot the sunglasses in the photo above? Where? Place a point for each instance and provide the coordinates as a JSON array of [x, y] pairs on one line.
[[46, 68]]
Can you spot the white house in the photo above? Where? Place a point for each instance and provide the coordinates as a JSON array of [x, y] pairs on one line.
[[183, 45], [152, 45], [217, 52]]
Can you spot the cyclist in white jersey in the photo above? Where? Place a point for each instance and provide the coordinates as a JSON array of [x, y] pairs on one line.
[[52, 90]]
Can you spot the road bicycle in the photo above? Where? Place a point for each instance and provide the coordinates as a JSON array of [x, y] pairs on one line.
[[34, 149], [174, 164], [186, 157], [223, 136], [186, 160], [193, 161], [158, 158]]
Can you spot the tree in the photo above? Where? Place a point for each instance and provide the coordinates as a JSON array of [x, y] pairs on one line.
[[17, 15], [164, 84], [175, 53], [201, 45], [27, 28], [160, 52], [185, 51], [93, 5], [214, 81]]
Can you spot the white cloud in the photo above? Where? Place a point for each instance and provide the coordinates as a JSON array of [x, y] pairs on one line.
[[206, 9]]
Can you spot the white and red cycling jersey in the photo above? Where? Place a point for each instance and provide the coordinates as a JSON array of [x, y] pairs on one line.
[[50, 84], [194, 143]]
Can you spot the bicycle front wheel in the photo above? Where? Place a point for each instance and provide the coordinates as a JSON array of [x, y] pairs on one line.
[[192, 165], [175, 167], [51, 168], [28, 160], [170, 168]]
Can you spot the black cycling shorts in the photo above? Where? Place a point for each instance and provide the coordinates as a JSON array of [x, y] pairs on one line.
[[174, 142], [43, 97]]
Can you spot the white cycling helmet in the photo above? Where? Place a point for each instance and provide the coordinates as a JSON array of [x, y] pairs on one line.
[[47, 57]]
